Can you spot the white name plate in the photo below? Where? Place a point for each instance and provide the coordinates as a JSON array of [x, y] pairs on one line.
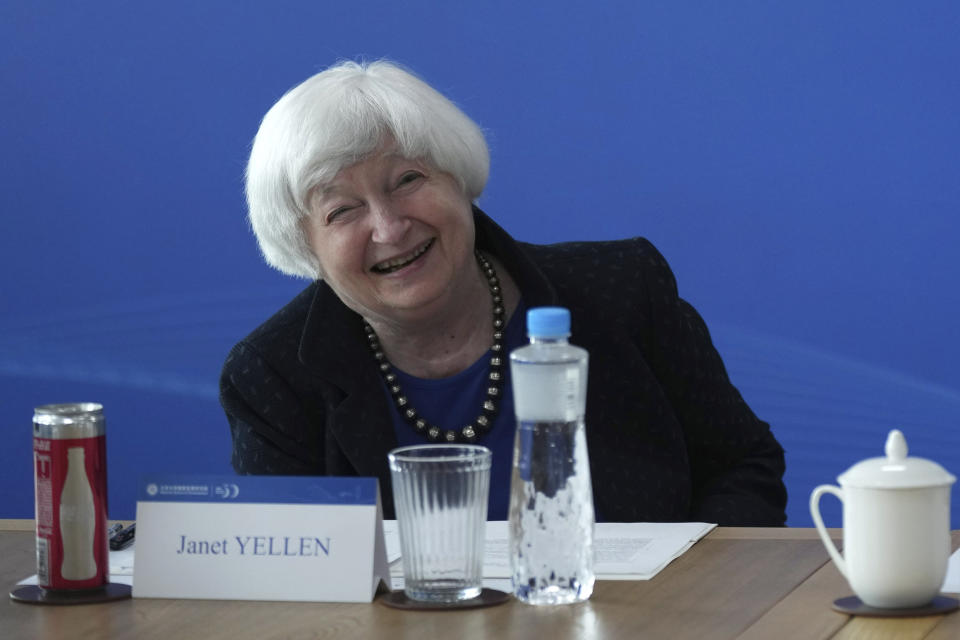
[[317, 539]]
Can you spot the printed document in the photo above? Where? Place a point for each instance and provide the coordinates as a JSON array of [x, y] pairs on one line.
[[622, 550], [951, 584]]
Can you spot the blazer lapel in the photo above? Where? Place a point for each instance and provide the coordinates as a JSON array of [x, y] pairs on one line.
[[334, 345]]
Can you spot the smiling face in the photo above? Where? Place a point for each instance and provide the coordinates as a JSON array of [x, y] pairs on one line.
[[394, 238]]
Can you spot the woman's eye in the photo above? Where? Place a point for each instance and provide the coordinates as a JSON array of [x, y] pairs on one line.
[[408, 177], [336, 213]]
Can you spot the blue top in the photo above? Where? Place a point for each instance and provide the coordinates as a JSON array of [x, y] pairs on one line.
[[455, 401]]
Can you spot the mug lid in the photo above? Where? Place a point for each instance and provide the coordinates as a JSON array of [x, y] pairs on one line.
[[896, 470]]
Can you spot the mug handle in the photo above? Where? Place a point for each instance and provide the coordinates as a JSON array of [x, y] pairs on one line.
[[817, 520]]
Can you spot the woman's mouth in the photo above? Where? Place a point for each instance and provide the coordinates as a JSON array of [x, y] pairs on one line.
[[389, 266]]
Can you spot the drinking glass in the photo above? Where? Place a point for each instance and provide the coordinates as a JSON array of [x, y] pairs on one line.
[[440, 493]]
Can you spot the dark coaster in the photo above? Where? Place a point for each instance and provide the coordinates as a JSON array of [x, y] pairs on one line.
[[487, 598], [854, 606], [32, 594]]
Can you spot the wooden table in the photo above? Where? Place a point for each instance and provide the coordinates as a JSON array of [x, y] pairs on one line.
[[735, 583]]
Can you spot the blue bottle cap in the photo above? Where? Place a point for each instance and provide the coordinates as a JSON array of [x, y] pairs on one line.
[[548, 322]]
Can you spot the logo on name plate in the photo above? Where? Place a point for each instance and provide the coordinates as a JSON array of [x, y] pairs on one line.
[[227, 491], [152, 489]]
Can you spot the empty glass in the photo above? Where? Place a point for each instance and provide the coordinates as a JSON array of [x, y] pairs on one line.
[[440, 492]]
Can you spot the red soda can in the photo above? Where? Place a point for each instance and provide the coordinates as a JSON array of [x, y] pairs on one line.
[[70, 474]]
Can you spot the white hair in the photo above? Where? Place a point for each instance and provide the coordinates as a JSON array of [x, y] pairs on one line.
[[335, 119]]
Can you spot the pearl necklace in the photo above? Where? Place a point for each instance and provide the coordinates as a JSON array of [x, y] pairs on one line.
[[488, 412]]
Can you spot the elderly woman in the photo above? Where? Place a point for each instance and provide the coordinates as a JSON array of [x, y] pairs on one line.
[[363, 179]]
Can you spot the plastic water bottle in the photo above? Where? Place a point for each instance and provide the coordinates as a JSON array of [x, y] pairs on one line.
[[551, 498]]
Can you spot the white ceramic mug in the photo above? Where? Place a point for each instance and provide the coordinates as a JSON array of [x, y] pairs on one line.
[[896, 527]]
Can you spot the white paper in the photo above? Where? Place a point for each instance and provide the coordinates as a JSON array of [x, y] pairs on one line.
[[392, 536], [952, 582], [622, 550], [121, 562]]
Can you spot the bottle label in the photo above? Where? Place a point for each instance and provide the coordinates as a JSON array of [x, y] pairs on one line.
[[548, 392], [71, 511]]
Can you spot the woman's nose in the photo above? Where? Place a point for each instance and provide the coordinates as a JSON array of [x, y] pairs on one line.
[[389, 226]]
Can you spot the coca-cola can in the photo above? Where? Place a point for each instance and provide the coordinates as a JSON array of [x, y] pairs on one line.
[[70, 476]]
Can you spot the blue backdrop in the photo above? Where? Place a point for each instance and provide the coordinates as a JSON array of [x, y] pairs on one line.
[[797, 163]]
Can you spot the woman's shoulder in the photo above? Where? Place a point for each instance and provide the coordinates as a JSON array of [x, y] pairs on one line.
[[288, 317], [598, 253], [279, 335], [618, 264]]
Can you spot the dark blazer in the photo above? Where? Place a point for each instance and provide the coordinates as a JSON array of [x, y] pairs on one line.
[[669, 437]]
